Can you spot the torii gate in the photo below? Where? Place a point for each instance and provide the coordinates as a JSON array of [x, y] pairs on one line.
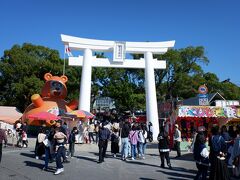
[[87, 61]]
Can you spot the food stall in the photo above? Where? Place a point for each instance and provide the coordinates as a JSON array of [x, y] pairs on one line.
[[189, 118]]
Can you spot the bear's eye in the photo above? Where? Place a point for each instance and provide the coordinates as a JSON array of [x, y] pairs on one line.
[[56, 84], [59, 85]]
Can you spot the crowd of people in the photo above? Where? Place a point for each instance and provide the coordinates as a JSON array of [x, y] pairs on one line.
[[224, 152], [129, 141]]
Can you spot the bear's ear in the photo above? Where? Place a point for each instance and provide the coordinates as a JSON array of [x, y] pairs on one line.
[[47, 76], [64, 78]]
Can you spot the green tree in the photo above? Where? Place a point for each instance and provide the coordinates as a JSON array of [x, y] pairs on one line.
[[183, 65], [21, 72]]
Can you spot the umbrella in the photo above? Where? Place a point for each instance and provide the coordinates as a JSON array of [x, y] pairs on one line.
[[41, 118], [80, 114]]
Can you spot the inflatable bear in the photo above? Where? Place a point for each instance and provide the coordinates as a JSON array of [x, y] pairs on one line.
[[52, 98]]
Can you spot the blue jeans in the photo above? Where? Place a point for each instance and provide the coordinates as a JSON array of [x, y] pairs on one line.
[[47, 155], [60, 153], [134, 146], [124, 145], [144, 147], [141, 149]]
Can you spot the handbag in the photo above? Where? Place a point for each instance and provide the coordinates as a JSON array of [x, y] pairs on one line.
[[46, 142]]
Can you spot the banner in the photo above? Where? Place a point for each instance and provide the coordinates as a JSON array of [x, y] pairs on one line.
[[209, 111]]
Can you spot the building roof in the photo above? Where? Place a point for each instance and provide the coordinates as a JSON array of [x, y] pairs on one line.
[[9, 114], [194, 101]]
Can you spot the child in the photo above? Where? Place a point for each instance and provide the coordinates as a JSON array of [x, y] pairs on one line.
[[24, 139]]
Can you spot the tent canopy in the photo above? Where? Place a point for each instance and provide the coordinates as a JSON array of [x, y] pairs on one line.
[[9, 114]]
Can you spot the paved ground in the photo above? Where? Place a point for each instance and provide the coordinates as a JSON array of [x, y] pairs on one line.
[[20, 164]]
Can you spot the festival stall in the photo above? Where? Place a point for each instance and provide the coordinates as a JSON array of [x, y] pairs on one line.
[[190, 118]]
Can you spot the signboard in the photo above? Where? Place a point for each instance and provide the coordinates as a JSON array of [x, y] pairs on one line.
[[203, 101], [119, 52], [209, 111], [202, 89], [203, 96]]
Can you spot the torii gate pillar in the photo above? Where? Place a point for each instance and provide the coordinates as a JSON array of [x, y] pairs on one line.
[[85, 87], [119, 49]]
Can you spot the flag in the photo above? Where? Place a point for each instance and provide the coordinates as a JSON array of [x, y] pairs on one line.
[[68, 50]]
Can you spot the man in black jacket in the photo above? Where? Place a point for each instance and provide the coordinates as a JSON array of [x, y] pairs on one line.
[[104, 136]]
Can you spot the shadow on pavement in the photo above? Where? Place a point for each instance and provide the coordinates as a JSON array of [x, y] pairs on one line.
[[141, 163], [185, 157], [30, 155], [33, 164], [86, 158], [108, 154], [142, 178], [153, 155], [179, 173]]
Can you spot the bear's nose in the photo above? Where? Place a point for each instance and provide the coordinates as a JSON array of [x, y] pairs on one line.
[[57, 88]]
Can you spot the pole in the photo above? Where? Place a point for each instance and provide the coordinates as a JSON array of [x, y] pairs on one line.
[[64, 62]]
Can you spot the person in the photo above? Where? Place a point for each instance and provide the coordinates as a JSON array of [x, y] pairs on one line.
[[63, 128], [163, 146], [24, 139], [19, 132], [80, 131], [104, 135], [46, 143], [228, 141], [114, 142], [3, 137], [85, 135], [71, 141], [145, 135], [124, 131], [60, 139], [236, 154], [218, 148], [141, 141], [177, 140], [91, 129], [133, 137], [201, 156], [150, 132], [25, 127], [39, 148], [96, 131]]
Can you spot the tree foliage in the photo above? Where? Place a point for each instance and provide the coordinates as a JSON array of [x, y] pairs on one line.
[[22, 69]]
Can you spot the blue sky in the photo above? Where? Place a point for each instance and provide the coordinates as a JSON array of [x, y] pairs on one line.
[[214, 24]]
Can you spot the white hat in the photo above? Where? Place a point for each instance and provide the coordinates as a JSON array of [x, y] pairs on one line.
[[176, 125]]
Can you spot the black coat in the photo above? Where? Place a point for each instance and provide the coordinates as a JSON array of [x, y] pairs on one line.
[[163, 142]]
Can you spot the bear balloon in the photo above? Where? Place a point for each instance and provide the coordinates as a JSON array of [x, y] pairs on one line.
[[52, 98]]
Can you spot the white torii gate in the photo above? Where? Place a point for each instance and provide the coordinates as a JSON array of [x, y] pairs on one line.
[[87, 61]]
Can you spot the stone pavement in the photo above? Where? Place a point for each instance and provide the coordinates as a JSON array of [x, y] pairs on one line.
[[19, 164]]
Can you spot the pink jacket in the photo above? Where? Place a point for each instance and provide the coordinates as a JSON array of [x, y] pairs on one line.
[[133, 137]]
